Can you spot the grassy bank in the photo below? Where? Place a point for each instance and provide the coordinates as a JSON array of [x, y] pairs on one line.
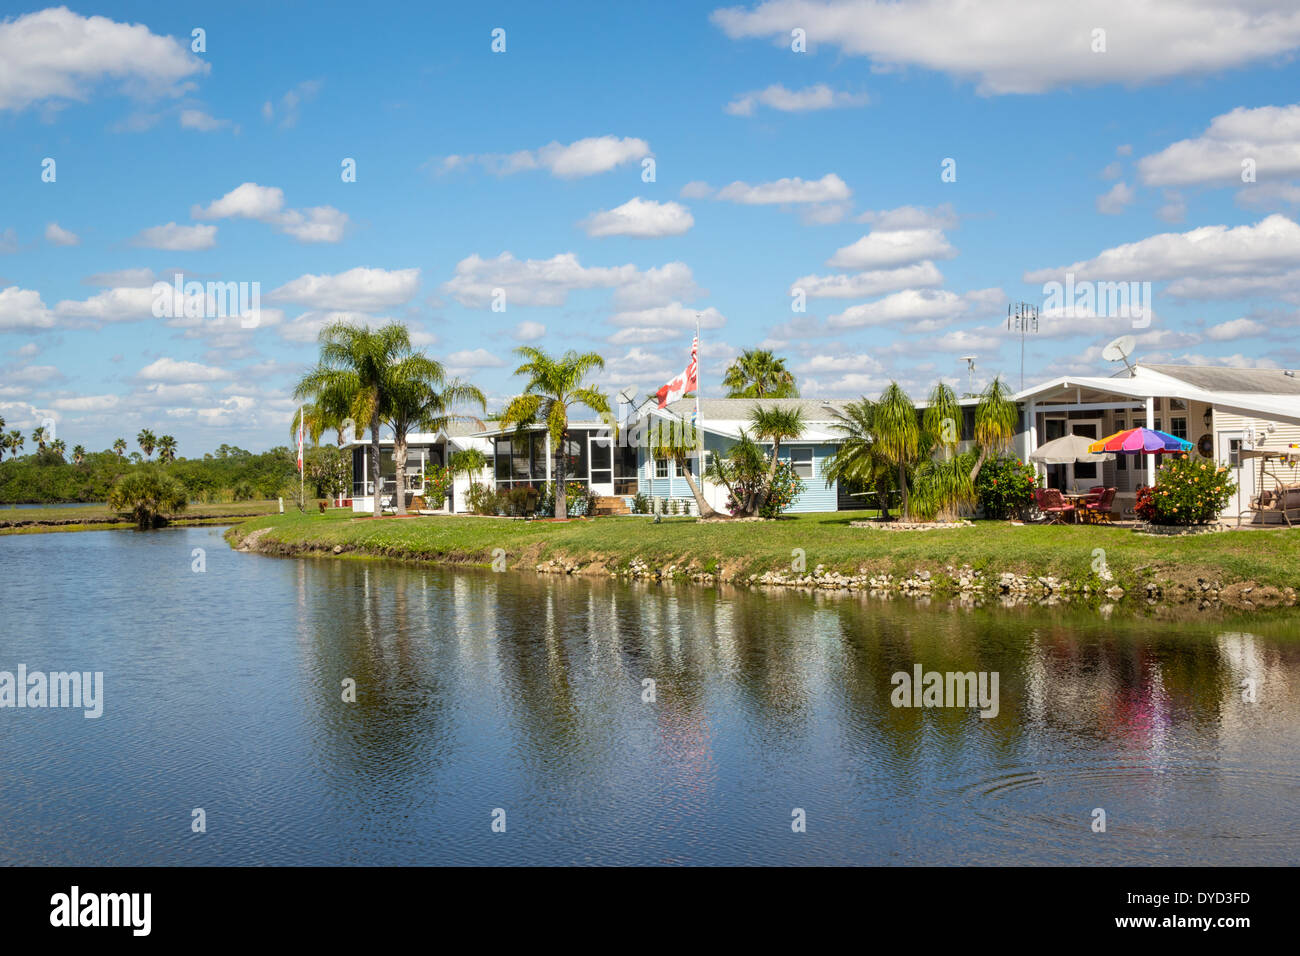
[[100, 518], [733, 551]]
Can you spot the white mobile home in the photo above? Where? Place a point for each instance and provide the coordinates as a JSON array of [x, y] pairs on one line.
[[1222, 411]]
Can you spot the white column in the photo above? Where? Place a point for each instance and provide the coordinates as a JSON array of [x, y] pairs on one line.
[[1151, 459], [548, 455], [1031, 414]]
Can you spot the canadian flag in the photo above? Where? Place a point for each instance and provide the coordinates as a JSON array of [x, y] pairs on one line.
[[300, 438], [688, 381]]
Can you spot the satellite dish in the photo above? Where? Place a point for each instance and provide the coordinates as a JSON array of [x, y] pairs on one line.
[[1119, 350]]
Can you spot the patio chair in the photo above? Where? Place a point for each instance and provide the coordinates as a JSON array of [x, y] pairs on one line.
[[1051, 503], [1099, 509]]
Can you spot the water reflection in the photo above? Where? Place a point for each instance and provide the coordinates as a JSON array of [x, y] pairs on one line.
[[478, 690]]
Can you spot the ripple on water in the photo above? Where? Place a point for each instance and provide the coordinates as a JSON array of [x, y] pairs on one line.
[[1170, 814]]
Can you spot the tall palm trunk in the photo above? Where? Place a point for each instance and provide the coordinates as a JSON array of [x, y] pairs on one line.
[[375, 471], [399, 466], [561, 506], [771, 476], [902, 484], [705, 509]]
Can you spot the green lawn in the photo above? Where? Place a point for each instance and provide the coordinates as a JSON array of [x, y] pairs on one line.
[[741, 548]]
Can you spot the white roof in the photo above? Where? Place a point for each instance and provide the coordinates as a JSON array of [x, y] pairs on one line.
[[1145, 383]]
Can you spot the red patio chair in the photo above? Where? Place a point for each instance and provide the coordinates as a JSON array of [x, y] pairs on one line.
[[1051, 503], [1099, 509]]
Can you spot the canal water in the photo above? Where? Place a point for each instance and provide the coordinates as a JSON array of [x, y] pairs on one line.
[[769, 734]]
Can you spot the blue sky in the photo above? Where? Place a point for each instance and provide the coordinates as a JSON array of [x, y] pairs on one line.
[[523, 171]]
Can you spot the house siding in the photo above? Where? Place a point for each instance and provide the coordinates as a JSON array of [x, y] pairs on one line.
[[816, 496]]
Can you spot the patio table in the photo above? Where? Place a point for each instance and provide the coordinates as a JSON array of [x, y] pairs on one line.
[[1076, 498]]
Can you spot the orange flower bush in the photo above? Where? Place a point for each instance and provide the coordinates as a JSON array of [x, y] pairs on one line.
[[1186, 492]]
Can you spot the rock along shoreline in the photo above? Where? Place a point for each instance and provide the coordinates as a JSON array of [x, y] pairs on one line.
[[971, 585]]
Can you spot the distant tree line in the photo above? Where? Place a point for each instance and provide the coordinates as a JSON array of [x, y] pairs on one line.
[[50, 475]]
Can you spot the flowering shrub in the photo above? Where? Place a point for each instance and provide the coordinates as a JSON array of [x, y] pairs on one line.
[[1005, 487], [1145, 506], [437, 485], [578, 500], [785, 487], [481, 499], [1186, 492]]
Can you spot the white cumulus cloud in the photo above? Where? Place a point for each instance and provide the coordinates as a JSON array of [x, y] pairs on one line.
[[777, 97], [640, 219], [584, 157], [56, 55], [1052, 45], [266, 204], [360, 290]]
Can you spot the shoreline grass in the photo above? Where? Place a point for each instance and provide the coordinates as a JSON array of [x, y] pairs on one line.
[[99, 517], [735, 550]]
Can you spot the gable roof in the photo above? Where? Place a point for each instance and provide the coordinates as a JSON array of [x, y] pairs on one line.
[[1262, 381], [1149, 381], [740, 409]]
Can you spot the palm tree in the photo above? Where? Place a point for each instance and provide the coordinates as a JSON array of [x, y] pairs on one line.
[[353, 376], [678, 442], [469, 462], [314, 423], [943, 488], [78, 454], [146, 441], [941, 421], [858, 459], [15, 442], [39, 435], [148, 496], [774, 425], [554, 386], [996, 420], [167, 448], [421, 398], [58, 446], [757, 373], [898, 434], [119, 446]]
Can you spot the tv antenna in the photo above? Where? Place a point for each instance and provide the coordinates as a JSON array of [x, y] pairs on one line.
[[970, 372], [1023, 318], [1119, 350]]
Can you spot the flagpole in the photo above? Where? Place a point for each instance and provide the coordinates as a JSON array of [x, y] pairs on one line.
[[699, 430]]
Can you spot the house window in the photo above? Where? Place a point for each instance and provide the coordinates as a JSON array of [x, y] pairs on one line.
[[1177, 405], [802, 460], [1121, 461], [661, 467], [1178, 427], [1234, 452]]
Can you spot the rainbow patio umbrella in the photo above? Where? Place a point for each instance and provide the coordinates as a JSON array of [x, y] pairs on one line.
[[1140, 441]]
